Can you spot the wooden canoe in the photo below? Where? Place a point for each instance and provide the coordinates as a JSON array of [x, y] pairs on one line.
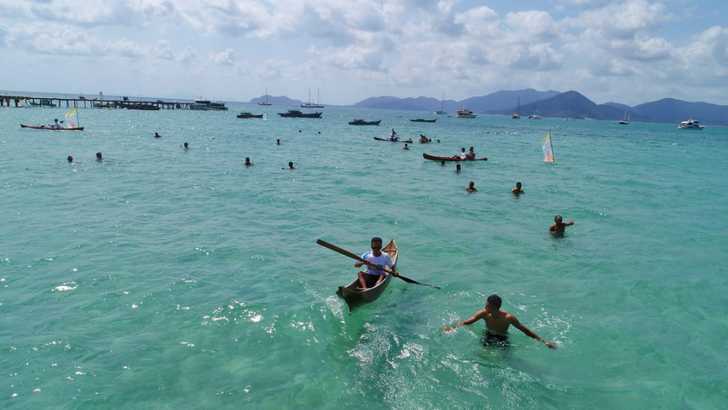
[[354, 296], [409, 141], [48, 128], [455, 158]]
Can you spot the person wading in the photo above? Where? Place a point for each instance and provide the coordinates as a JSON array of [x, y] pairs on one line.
[[497, 323]]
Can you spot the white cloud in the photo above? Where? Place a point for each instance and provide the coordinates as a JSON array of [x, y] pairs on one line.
[[225, 57]]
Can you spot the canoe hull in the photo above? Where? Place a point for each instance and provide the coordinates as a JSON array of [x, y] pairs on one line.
[[353, 296], [457, 159], [45, 128], [409, 141]]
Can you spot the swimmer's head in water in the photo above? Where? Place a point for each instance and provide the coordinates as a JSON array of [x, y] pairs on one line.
[[518, 185], [558, 219], [494, 301]]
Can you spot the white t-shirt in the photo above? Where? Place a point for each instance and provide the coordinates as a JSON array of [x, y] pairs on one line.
[[382, 259]]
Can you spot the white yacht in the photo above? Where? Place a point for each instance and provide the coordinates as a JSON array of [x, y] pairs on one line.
[[534, 117], [690, 124]]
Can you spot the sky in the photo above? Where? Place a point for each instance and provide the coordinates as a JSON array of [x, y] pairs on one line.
[[628, 51]]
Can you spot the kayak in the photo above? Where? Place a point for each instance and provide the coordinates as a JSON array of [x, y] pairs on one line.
[[455, 158], [409, 141], [47, 128], [354, 296]]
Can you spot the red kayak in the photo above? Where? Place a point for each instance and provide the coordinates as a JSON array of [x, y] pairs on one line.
[[454, 158], [47, 128]]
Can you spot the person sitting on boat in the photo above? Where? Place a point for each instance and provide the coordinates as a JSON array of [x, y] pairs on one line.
[[518, 190], [394, 137], [56, 125], [461, 155], [559, 226], [470, 155], [471, 188], [375, 268], [497, 323]]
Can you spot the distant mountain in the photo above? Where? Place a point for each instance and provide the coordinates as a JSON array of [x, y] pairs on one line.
[[282, 100], [414, 104], [672, 110], [572, 104], [505, 100], [492, 103], [623, 107]]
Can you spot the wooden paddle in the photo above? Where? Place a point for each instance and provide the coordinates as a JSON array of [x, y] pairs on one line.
[[357, 257]]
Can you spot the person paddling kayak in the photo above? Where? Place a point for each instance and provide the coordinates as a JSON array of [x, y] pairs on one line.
[[496, 324], [376, 257]]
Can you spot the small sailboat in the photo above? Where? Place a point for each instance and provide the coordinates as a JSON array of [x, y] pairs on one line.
[[71, 123], [548, 149], [441, 111], [625, 120]]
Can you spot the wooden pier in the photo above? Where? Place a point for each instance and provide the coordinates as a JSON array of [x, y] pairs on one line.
[[83, 102]]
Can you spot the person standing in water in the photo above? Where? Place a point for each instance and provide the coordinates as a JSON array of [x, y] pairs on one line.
[[156, 135], [69, 159], [471, 188], [497, 323], [458, 168], [290, 165], [99, 157], [186, 146], [518, 190], [278, 141], [406, 147], [559, 226], [248, 162]]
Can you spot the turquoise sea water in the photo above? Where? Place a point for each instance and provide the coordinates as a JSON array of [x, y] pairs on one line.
[[161, 278]]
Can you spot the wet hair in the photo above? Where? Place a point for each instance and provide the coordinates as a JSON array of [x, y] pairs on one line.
[[558, 218], [377, 239], [495, 301], [518, 184]]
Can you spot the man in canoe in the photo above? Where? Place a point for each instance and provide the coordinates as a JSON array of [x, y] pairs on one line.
[[375, 257], [394, 137], [496, 324], [559, 226], [462, 155], [470, 155]]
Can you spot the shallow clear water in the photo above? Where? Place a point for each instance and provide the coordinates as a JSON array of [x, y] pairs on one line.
[[161, 278]]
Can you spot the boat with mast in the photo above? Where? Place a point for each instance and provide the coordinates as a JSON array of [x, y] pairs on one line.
[[465, 113], [442, 111], [311, 104], [625, 120], [266, 99], [517, 114]]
